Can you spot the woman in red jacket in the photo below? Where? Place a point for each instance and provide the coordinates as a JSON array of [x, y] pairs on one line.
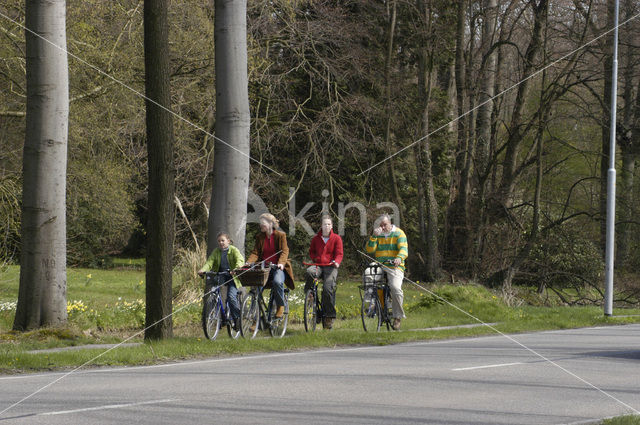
[[326, 248]]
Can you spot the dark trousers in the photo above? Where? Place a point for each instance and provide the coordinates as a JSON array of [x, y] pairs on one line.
[[328, 275]]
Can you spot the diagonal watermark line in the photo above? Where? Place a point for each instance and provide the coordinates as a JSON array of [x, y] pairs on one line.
[[101, 72], [114, 347], [509, 338], [456, 119], [108, 406]]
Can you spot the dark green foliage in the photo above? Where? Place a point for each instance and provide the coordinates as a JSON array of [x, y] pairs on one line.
[[564, 258]]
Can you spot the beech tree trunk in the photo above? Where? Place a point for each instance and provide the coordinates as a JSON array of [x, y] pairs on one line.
[[228, 210], [427, 203], [161, 210], [43, 281]]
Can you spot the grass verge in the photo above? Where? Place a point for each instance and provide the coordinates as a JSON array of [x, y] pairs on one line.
[[107, 306]]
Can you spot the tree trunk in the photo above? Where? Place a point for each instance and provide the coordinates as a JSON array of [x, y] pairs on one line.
[[487, 86], [629, 147], [161, 210], [516, 124], [457, 220], [395, 193], [231, 160], [523, 254], [484, 132], [43, 281], [427, 203]]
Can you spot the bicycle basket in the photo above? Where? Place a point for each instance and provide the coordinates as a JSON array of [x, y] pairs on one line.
[[253, 277], [373, 274]]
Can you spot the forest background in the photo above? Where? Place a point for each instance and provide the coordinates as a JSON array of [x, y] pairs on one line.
[[499, 111]]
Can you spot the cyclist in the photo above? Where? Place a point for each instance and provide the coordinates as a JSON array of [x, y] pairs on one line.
[[389, 244], [326, 248], [271, 246], [226, 257]]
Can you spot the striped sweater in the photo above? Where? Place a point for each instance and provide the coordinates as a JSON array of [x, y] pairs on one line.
[[386, 248]]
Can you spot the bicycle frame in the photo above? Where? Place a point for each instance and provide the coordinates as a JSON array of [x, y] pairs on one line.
[[382, 300], [313, 314], [255, 300], [212, 321]]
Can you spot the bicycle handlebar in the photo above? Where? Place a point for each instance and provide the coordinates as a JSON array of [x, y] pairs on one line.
[[204, 274], [318, 264]]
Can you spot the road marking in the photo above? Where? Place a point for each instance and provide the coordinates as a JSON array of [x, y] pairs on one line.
[[109, 406], [486, 366]]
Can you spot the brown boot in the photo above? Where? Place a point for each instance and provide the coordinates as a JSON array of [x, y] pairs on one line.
[[327, 323], [396, 323], [280, 312]]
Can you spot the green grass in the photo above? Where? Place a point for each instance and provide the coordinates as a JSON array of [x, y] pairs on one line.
[[623, 420], [107, 306]]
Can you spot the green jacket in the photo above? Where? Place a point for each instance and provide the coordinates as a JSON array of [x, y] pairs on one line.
[[234, 257]]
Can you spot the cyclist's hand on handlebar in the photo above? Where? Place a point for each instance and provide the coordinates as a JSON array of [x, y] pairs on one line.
[[334, 264], [396, 262], [281, 266], [201, 273]]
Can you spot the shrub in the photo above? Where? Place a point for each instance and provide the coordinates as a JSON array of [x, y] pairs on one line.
[[565, 258], [9, 219], [100, 216]]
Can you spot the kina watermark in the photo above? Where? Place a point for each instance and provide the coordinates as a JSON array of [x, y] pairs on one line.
[[297, 218]]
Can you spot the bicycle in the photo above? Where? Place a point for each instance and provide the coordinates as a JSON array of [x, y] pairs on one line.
[[313, 313], [376, 299], [255, 313], [215, 313]]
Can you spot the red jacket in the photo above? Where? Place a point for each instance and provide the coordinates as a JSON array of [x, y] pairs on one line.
[[325, 253]]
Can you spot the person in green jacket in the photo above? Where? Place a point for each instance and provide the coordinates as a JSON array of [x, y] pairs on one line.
[[224, 259]]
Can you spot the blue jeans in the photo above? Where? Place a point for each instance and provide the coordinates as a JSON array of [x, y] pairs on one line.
[[276, 276], [232, 295]]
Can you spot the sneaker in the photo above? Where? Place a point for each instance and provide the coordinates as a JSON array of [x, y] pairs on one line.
[[280, 312], [396, 323]]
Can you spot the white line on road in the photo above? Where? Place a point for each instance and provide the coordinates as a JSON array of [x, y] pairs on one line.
[[486, 366], [109, 406]]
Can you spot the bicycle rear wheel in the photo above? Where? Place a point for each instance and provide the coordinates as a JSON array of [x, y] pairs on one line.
[[310, 311], [211, 317], [370, 310], [278, 327], [250, 316]]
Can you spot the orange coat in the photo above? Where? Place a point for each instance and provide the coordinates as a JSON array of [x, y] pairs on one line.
[[280, 242]]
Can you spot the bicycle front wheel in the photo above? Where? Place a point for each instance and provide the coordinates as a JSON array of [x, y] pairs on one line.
[[388, 310], [370, 311], [278, 327], [211, 318], [310, 311], [250, 316]]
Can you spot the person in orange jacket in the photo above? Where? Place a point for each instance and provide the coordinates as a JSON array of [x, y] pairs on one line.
[[271, 246]]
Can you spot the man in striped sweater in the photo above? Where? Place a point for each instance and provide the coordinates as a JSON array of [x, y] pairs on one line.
[[388, 245]]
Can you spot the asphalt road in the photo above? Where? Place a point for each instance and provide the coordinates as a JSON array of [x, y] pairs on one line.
[[588, 374]]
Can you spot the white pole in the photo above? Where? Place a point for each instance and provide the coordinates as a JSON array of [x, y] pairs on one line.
[[611, 178]]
